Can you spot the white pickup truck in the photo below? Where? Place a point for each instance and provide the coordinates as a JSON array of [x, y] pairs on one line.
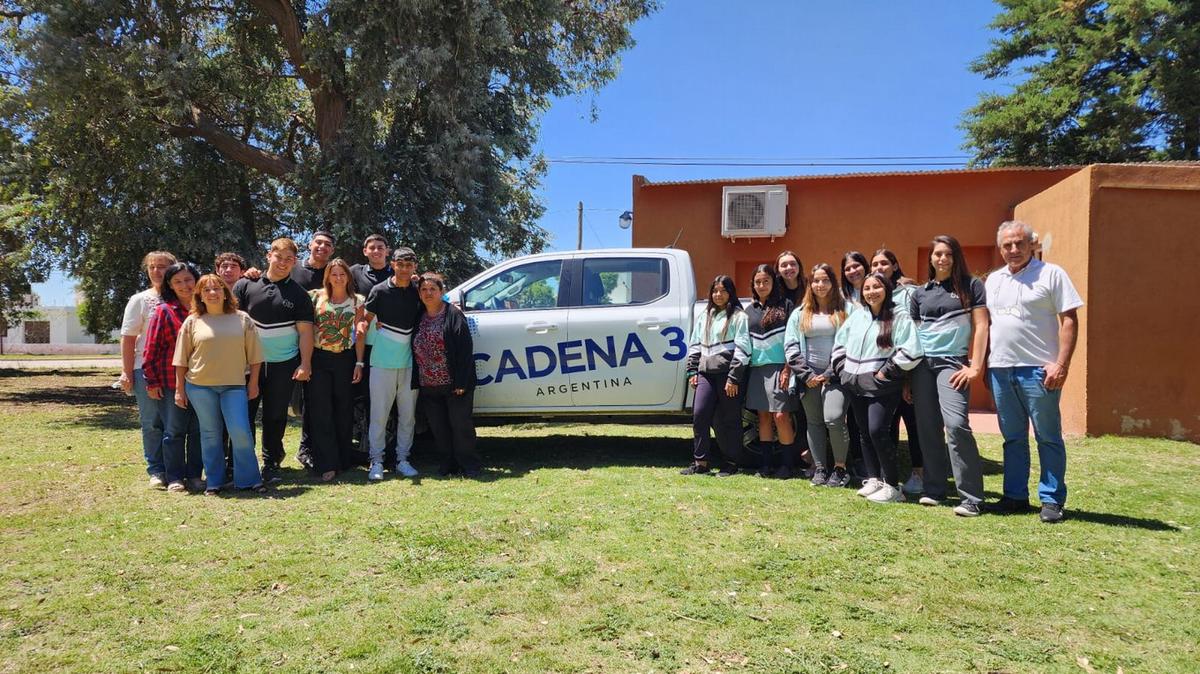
[[584, 333]]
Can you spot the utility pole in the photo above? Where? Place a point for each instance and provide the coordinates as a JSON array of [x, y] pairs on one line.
[[579, 245]]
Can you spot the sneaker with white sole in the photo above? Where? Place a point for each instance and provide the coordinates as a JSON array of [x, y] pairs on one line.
[[913, 485], [966, 509], [405, 468], [158, 481], [886, 494], [869, 487], [375, 474], [929, 501]]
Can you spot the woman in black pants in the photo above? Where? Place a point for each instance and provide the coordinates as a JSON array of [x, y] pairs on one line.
[[337, 365], [885, 262], [443, 353]]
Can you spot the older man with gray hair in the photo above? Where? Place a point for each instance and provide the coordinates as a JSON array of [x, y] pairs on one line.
[[1034, 327]]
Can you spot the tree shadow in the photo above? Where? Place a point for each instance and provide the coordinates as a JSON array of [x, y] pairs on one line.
[[96, 406], [70, 373]]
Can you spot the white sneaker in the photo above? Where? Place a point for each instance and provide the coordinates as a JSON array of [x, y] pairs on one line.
[[869, 487], [375, 474], [158, 482], [405, 468], [914, 484], [929, 501], [886, 494]]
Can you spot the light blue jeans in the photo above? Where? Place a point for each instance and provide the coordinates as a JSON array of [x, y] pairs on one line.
[[1020, 398], [228, 403], [152, 417]]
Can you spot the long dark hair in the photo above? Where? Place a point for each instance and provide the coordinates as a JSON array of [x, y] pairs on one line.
[[801, 279], [897, 275], [774, 309], [847, 286], [886, 310], [812, 305], [960, 276], [167, 293], [731, 307]]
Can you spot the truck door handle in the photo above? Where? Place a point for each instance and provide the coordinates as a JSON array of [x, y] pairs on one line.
[[650, 323], [541, 327]]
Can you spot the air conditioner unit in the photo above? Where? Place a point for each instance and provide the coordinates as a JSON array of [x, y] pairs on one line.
[[753, 211]]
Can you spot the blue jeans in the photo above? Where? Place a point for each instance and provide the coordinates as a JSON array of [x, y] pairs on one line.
[[151, 414], [181, 441], [1021, 398], [225, 406]]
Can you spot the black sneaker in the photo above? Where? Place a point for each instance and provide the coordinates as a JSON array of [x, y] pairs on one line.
[[694, 469], [782, 473], [1051, 513], [727, 470], [1009, 506], [966, 509], [270, 472], [819, 477], [838, 478]]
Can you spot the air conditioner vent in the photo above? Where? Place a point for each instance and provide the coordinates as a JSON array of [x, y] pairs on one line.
[[754, 211]]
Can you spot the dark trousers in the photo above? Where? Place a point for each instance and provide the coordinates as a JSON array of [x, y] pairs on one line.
[[905, 411], [449, 419], [329, 410], [874, 417], [181, 441], [274, 394], [723, 414]]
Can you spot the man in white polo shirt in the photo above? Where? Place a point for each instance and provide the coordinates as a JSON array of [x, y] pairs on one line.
[[1034, 327]]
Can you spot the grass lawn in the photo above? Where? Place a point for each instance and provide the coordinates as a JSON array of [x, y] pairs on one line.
[[583, 550]]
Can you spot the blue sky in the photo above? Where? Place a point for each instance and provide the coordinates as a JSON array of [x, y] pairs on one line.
[[761, 79]]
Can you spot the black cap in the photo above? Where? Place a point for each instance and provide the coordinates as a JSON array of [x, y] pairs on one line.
[[403, 253]]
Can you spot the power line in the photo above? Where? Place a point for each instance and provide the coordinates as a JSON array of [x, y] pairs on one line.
[[616, 162], [789, 159]]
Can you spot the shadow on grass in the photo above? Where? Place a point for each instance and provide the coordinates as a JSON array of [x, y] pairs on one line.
[[70, 373]]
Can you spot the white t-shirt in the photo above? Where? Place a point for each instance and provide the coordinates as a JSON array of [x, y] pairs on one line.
[[137, 318], [1024, 308]]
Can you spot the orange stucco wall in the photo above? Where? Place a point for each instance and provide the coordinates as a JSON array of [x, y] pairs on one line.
[[1144, 321], [831, 215], [1061, 217], [1113, 228]]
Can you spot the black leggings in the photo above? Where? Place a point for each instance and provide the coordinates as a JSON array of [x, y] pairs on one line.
[[905, 410], [329, 409], [713, 409], [874, 417]]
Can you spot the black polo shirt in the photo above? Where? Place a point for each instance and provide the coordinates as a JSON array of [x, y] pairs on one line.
[[396, 310], [366, 278], [308, 277], [275, 307]]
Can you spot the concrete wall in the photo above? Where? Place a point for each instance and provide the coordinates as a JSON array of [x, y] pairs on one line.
[[1144, 324], [1061, 215]]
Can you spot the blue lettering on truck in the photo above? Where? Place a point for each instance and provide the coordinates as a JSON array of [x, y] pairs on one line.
[[573, 356]]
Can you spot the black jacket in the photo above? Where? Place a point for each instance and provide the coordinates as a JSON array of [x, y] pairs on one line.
[[460, 349]]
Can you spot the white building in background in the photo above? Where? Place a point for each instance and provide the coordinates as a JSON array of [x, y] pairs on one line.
[[55, 330]]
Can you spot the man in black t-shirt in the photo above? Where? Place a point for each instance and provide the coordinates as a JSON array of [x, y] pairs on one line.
[[376, 270], [283, 315], [311, 273]]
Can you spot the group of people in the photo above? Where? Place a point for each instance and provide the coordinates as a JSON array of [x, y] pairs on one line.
[[204, 352], [846, 354]]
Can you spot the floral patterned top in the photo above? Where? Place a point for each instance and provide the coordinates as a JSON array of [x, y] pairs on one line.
[[429, 348], [334, 327]]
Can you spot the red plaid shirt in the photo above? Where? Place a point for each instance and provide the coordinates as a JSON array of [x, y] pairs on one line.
[[160, 345]]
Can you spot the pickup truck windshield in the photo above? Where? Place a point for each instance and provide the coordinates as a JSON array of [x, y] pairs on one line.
[[530, 286]]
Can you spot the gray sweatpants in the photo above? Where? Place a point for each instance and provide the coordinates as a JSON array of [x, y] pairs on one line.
[[825, 411], [947, 443]]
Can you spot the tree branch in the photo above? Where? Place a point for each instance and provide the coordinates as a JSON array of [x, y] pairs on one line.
[[284, 18], [200, 125]]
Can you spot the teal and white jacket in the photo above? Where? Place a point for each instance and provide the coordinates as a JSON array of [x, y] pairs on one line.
[[719, 346], [856, 357], [811, 355], [766, 344]]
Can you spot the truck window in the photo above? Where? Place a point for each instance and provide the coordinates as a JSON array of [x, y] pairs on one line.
[[619, 281], [529, 286]]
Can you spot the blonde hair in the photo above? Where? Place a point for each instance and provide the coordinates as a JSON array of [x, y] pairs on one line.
[[199, 308], [326, 290], [837, 303], [283, 243], [154, 254]]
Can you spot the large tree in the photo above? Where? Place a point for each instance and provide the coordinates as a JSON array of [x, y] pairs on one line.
[[204, 125], [1099, 82]]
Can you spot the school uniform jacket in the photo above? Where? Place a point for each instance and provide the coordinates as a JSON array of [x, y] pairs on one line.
[[719, 346], [856, 357], [766, 344]]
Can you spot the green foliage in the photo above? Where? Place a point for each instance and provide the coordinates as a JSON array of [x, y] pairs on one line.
[[203, 126], [1103, 82]]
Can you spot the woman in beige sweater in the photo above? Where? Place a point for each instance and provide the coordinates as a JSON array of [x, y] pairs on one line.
[[217, 347]]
